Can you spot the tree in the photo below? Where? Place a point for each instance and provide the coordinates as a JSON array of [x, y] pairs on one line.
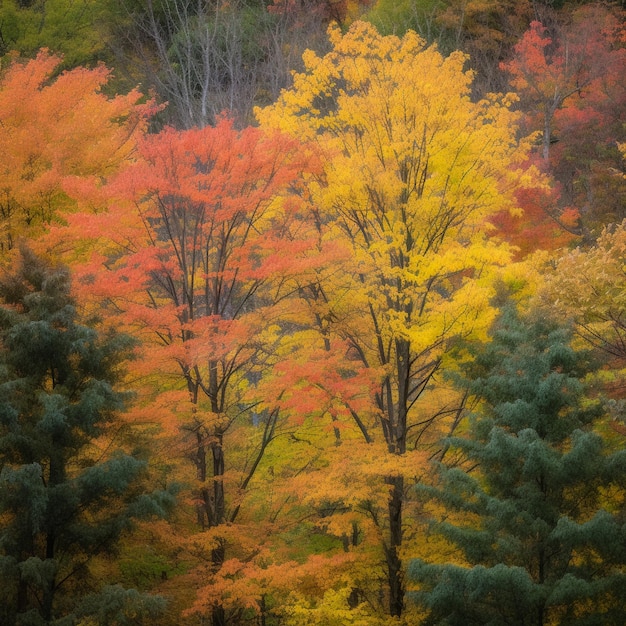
[[486, 31], [413, 171], [540, 224], [192, 252], [397, 18], [548, 69], [589, 127], [65, 498], [536, 505], [208, 58], [54, 128], [74, 30], [587, 287], [568, 77]]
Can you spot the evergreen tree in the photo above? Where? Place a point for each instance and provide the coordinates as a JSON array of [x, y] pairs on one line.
[[62, 500], [537, 507]]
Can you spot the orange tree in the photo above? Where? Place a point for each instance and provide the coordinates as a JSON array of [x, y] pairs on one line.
[[190, 251], [413, 172], [55, 127]]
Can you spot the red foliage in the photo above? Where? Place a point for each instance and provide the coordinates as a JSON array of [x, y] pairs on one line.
[[571, 85]]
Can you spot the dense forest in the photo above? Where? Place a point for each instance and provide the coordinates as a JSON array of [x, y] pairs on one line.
[[312, 312]]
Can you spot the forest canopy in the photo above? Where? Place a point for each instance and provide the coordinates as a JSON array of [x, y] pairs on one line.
[[311, 312]]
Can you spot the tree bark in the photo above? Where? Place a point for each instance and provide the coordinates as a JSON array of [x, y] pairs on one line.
[[394, 563]]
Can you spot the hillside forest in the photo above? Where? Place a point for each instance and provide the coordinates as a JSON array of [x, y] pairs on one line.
[[312, 313]]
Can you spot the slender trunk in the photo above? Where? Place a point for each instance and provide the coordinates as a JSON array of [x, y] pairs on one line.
[[218, 616], [202, 508], [218, 554], [57, 476], [22, 596], [263, 607], [219, 502], [47, 601], [49, 585], [403, 355], [215, 503], [218, 516], [551, 109], [394, 563], [547, 128], [397, 445]]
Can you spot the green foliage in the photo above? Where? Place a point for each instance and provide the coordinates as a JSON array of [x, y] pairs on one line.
[[395, 17], [142, 566], [116, 606], [63, 498], [540, 540], [73, 28]]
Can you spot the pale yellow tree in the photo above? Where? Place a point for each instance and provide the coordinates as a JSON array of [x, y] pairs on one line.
[[589, 287]]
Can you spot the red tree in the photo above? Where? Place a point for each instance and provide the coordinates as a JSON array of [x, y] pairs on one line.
[[192, 254], [570, 81]]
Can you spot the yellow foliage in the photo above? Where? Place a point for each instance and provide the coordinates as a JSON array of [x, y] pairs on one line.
[[589, 287], [413, 172]]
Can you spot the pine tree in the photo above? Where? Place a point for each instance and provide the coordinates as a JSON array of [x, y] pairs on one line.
[[537, 508], [63, 500]]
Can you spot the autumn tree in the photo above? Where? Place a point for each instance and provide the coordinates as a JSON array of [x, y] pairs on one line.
[[65, 496], [191, 254], [545, 77], [540, 224], [536, 505], [586, 287], [569, 80], [486, 31], [52, 129], [413, 170]]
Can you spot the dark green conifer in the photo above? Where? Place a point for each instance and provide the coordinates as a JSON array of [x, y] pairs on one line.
[[61, 503], [537, 507]]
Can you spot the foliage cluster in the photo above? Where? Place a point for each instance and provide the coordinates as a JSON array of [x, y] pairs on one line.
[[373, 272]]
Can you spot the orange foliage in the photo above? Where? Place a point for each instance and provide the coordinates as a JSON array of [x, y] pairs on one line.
[[202, 238], [541, 224], [55, 127]]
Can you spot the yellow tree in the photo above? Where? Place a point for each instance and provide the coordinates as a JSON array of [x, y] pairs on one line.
[[588, 286], [413, 172]]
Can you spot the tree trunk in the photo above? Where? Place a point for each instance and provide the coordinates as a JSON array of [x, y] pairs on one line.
[[202, 507], [394, 563], [218, 513], [22, 596], [547, 136], [218, 616], [396, 497]]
